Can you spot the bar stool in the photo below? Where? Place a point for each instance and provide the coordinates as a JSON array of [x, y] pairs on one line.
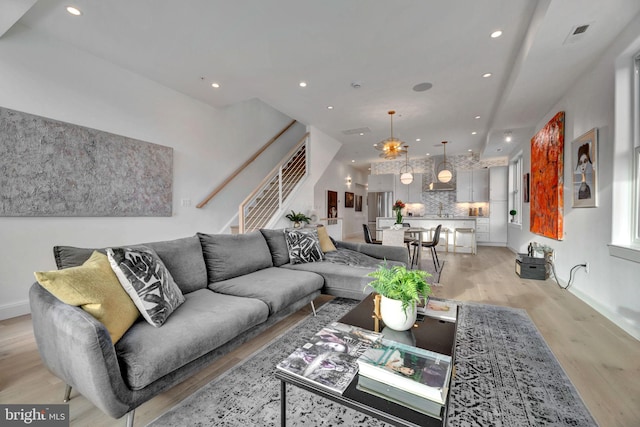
[[443, 241], [471, 232]]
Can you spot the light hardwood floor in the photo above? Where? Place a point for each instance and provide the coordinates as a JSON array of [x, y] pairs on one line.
[[602, 361]]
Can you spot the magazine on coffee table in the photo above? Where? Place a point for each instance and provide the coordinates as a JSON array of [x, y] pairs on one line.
[[422, 372], [439, 309], [329, 359]]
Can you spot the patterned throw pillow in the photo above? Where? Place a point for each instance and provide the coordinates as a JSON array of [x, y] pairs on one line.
[[147, 281], [303, 245]]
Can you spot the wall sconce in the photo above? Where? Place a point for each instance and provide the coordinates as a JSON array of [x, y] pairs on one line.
[[348, 180]]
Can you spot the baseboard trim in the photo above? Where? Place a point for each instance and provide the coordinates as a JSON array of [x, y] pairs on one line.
[[619, 321], [8, 311]]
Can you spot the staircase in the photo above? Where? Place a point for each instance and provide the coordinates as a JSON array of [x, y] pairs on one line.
[[272, 194]]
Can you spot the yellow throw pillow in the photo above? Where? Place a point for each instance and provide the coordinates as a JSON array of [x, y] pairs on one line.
[[325, 241], [94, 287]]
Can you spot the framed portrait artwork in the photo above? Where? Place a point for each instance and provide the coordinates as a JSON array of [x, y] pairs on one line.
[[332, 207], [584, 157], [348, 199], [358, 203]]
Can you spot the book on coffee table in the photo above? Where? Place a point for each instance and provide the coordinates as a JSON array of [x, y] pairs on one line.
[[439, 309], [329, 359], [401, 397], [418, 371]]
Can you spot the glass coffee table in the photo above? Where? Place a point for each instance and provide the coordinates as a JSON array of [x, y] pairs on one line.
[[431, 334]]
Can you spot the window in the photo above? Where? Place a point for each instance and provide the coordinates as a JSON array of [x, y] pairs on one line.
[[515, 189], [635, 214]]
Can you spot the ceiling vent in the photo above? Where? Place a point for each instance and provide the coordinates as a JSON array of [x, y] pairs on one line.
[[357, 131], [577, 33]]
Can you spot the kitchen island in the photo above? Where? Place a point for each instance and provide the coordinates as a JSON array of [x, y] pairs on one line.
[[431, 222]]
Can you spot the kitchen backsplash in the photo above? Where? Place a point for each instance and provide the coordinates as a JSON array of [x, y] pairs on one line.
[[441, 202]]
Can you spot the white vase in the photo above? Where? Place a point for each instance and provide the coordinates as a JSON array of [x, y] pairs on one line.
[[395, 317]]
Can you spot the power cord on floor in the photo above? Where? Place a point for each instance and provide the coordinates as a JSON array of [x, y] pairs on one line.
[[555, 276]]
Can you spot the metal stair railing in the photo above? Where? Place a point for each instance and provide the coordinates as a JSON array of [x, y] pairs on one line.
[[274, 190]]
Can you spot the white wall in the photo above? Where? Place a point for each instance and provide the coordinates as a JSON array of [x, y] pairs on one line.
[[45, 78], [612, 286]]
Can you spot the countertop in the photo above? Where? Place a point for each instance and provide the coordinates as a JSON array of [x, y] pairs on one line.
[[436, 217]]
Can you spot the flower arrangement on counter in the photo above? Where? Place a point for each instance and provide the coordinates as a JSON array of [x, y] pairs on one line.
[[397, 208]]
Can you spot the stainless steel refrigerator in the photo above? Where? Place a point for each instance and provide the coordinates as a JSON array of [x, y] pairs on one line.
[[379, 204]]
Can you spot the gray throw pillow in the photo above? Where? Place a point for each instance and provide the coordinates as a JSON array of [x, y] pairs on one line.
[[303, 245], [147, 281]]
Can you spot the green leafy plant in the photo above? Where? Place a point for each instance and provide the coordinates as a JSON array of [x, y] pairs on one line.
[[400, 284], [513, 212], [297, 217]]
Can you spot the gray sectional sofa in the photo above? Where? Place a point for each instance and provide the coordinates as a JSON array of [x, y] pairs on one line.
[[234, 287]]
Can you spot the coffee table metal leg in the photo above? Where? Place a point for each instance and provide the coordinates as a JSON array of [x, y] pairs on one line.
[[283, 403]]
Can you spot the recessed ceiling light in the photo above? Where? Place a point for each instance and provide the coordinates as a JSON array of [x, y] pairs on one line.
[[74, 11], [329, 107], [476, 117], [470, 150], [353, 161], [362, 133], [496, 34], [215, 85], [474, 133], [417, 139], [485, 75], [428, 154], [303, 84]]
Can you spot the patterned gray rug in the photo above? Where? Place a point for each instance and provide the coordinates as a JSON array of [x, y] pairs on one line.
[[506, 376]]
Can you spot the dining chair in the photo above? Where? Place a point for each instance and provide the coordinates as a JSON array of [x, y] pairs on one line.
[[431, 245], [367, 236]]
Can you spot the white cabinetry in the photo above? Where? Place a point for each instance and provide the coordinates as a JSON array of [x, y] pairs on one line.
[[383, 182], [482, 229], [498, 183], [472, 185], [411, 192], [498, 179]]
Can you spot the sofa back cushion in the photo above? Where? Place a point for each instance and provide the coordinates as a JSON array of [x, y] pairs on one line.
[[182, 257], [277, 245], [232, 255], [184, 260]]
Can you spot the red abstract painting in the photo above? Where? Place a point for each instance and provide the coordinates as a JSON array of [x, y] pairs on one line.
[[547, 179]]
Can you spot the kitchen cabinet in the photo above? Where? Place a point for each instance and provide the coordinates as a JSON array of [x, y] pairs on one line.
[[411, 192], [383, 182], [498, 183], [498, 222], [483, 228], [472, 185]]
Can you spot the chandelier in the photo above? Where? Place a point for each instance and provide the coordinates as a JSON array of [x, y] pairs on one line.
[[390, 147], [444, 171], [406, 171]]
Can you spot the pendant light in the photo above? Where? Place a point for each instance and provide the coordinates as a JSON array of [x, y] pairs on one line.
[[445, 170], [406, 171], [390, 147]]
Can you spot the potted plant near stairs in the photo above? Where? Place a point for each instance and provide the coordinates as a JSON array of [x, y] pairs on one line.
[[401, 290], [297, 219]]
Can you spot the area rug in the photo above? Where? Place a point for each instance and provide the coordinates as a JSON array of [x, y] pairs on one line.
[[506, 376]]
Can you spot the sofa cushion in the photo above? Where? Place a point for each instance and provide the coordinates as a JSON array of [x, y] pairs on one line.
[[277, 245], [94, 287], [341, 280], [182, 257], [184, 260], [147, 281], [276, 287], [146, 354], [303, 245], [231, 255]]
